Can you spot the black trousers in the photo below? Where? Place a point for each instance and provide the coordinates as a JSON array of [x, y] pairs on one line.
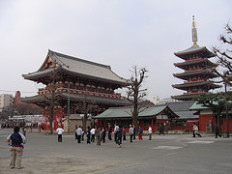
[[88, 139], [115, 137], [79, 138], [60, 138], [109, 136], [92, 138], [119, 140], [131, 137]]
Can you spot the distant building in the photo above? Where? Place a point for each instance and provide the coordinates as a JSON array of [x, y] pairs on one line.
[[6, 100], [25, 108], [157, 101]]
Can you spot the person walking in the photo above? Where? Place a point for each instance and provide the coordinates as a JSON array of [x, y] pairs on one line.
[[116, 127], [124, 134], [131, 133], [134, 132], [140, 133], [59, 131], [161, 129], [88, 135], [217, 132], [109, 132], [16, 141], [195, 131], [75, 132], [103, 135], [92, 131], [83, 134], [119, 136], [79, 134], [98, 136], [150, 132]]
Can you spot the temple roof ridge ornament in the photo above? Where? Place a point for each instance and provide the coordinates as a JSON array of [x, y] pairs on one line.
[[194, 33]]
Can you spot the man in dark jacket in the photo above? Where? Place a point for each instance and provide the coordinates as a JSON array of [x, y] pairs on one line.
[[16, 141], [119, 136]]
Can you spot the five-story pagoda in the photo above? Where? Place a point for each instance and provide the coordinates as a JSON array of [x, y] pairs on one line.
[[198, 70], [74, 85]]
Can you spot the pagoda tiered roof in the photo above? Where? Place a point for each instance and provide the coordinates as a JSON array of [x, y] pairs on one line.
[[185, 65], [196, 51], [204, 72], [186, 97], [187, 85], [77, 67]]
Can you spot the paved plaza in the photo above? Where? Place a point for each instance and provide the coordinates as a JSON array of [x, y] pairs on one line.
[[168, 154]]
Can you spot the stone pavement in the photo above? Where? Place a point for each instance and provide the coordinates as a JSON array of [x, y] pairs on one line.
[[174, 154]]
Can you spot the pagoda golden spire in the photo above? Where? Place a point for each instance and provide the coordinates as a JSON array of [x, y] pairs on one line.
[[194, 33]]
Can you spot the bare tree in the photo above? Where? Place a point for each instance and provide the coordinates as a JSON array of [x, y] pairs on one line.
[[51, 100], [28, 109], [135, 94], [86, 108], [224, 55], [8, 111]]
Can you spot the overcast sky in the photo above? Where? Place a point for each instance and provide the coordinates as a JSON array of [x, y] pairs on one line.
[[119, 33]]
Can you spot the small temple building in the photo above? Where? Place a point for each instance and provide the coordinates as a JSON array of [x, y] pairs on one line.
[[75, 86], [198, 70], [153, 116]]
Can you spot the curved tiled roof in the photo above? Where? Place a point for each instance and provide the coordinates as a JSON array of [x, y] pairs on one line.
[[195, 84], [186, 64], [203, 51], [76, 98], [186, 75], [78, 67], [125, 112], [186, 96]]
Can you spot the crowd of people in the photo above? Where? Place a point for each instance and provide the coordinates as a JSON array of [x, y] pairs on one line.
[[100, 134]]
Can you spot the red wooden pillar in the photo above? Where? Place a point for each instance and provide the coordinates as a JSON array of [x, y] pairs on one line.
[[153, 124]]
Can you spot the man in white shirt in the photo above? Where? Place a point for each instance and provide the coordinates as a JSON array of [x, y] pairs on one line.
[[59, 131], [116, 128], [92, 131], [79, 134], [150, 132], [131, 133]]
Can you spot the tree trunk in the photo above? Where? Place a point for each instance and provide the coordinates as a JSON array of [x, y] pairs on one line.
[[84, 121], [51, 120], [135, 110]]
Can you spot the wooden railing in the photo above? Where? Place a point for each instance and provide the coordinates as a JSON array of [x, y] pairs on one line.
[[80, 90]]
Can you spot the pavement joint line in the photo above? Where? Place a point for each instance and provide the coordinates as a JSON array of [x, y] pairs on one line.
[[200, 142], [167, 147]]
